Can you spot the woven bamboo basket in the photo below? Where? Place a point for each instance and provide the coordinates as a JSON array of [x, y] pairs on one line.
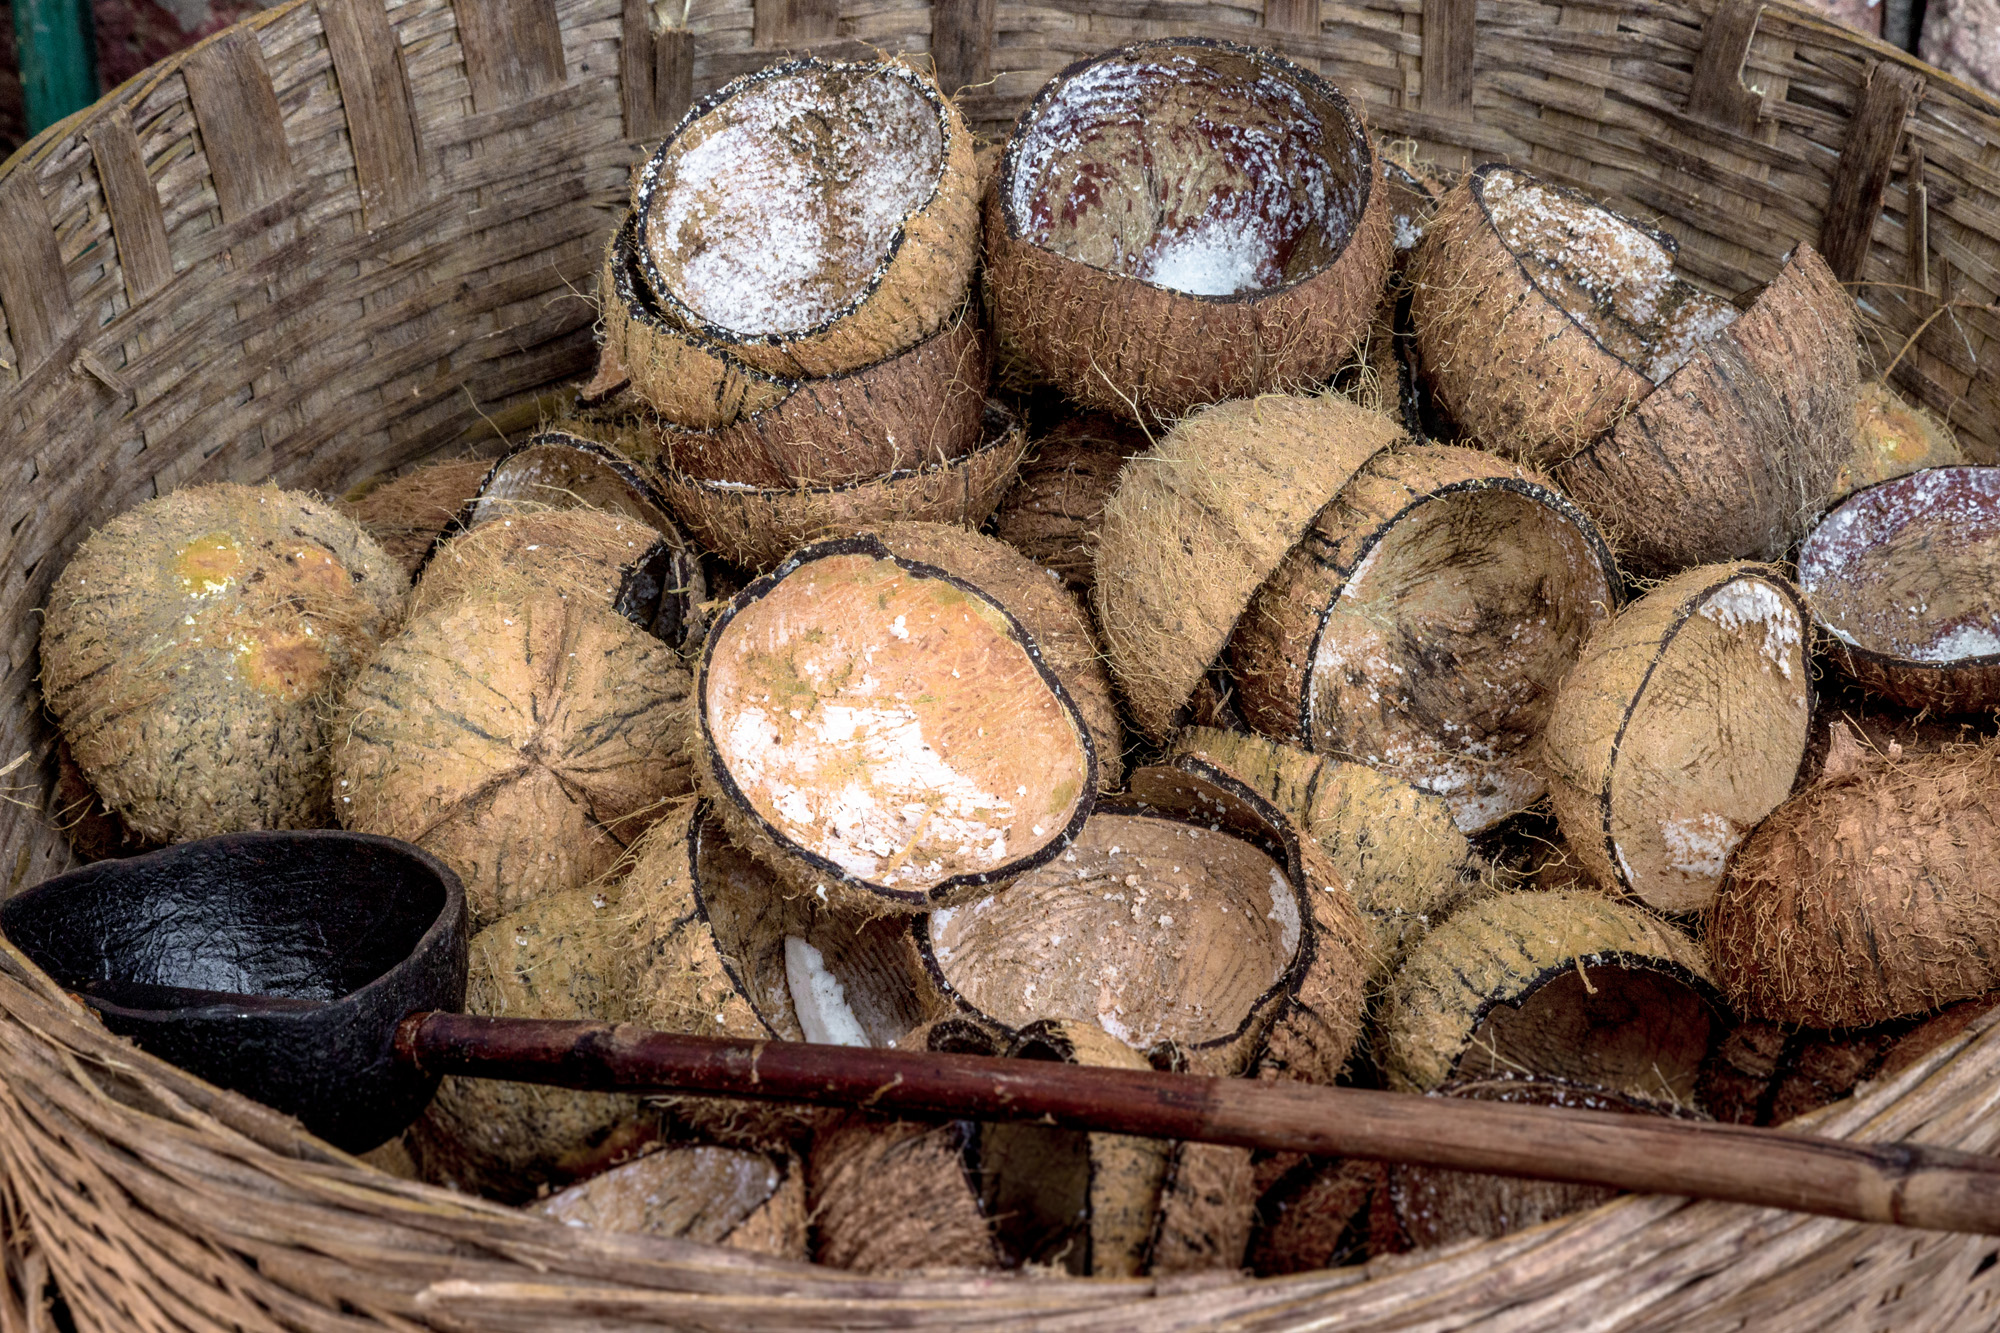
[[345, 236]]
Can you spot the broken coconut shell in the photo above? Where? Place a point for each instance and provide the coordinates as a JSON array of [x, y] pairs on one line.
[[1053, 511], [1183, 221], [891, 732], [1892, 438], [1423, 622], [811, 218], [1565, 984], [1199, 521], [1867, 897], [407, 514], [189, 645], [1902, 580], [1682, 725], [740, 1200]]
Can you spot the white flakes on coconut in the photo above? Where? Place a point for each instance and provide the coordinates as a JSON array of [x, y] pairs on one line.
[[1749, 602]]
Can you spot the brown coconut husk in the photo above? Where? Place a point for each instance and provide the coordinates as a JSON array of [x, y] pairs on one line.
[[1422, 625], [873, 153], [1683, 724], [1901, 579], [589, 554], [1313, 1214], [93, 828], [1766, 1073], [1866, 898], [757, 527], [740, 1200], [190, 645], [1247, 130], [1892, 438], [912, 677], [522, 737], [1198, 523], [407, 514], [1569, 985], [1054, 509]]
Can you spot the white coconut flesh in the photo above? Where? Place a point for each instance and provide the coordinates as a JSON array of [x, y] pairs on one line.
[[893, 724], [695, 1191], [1614, 278], [1712, 745], [1151, 928], [1439, 657], [1633, 1028], [1204, 171], [1910, 569], [776, 210], [562, 476]]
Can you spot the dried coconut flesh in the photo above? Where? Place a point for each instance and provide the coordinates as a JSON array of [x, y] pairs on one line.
[[1683, 724], [1423, 623], [875, 725], [1903, 575], [700, 1192]]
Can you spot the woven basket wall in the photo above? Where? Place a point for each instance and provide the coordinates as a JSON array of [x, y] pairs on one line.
[[345, 235]]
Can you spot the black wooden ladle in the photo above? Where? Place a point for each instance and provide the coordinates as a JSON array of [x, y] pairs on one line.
[[317, 972]]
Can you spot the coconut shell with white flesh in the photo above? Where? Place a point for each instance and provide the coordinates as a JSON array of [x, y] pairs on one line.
[[1200, 521], [408, 513], [189, 646], [1183, 221], [1422, 625], [1893, 438], [756, 527], [1901, 578], [1684, 722], [813, 217], [1566, 984], [1055, 507], [1868, 897], [522, 737], [885, 731], [737, 1199]]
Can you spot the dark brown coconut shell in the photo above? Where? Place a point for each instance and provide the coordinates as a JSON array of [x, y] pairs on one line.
[[1078, 286], [1313, 1213], [704, 208], [407, 514], [1054, 509], [1904, 581], [1893, 438], [189, 646], [1766, 1073], [731, 1197], [949, 719], [93, 828], [1868, 897], [1198, 523], [1423, 623], [757, 527], [1683, 723]]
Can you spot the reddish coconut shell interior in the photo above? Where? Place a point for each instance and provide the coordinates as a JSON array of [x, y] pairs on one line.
[[1713, 744], [1613, 278], [894, 724], [697, 1192], [1151, 928], [1206, 171], [558, 476], [776, 211], [1633, 1029], [1439, 657], [1911, 568]]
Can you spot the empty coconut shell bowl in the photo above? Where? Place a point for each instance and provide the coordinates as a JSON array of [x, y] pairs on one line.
[[1131, 635]]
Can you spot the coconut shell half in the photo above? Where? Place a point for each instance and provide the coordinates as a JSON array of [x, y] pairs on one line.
[[730, 1197], [1201, 520], [1892, 438], [407, 514], [1053, 511], [813, 217], [1902, 579], [1183, 221], [1423, 623]]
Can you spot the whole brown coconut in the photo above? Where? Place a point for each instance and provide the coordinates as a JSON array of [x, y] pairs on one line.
[[731, 1197], [190, 645], [407, 514], [1422, 625], [1902, 579], [1183, 221], [1893, 438], [522, 737], [1868, 897], [1056, 505], [1683, 724], [809, 219], [880, 721]]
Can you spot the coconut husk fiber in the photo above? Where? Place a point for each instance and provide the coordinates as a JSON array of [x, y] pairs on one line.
[[757, 527], [1184, 221], [584, 553], [1892, 438], [1422, 625], [811, 218], [1314, 1213], [1901, 580], [1567, 984], [1053, 511], [189, 647], [1684, 723], [730, 1197], [522, 737], [1199, 521], [1867, 897], [407, 514], [877, 725]]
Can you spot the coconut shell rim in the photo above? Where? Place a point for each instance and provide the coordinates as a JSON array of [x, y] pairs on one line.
[[868, 544], [1317, 83], [698, 820], [649, 179], [625, 469], [633, 292]]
